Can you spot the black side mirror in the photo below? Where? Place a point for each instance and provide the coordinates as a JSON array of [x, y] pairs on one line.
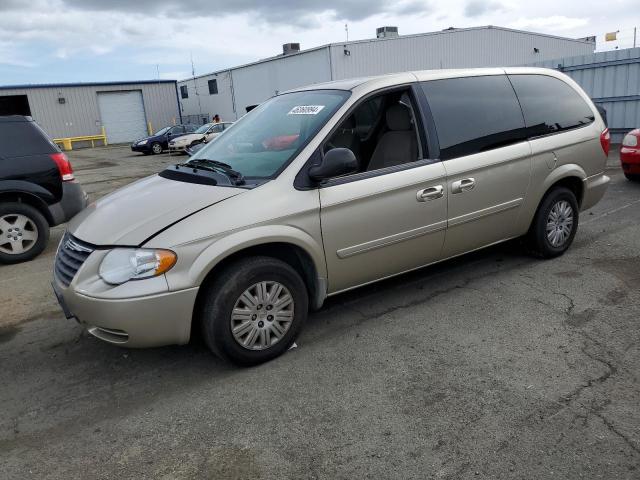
[[336, 162]]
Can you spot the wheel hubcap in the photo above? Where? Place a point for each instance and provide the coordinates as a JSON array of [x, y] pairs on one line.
[[560, 223], [262, 315], [18, 234], [157, 148]]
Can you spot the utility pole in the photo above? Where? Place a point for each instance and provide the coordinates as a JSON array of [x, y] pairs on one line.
[[195, 87], [346, 29], [635, 31]]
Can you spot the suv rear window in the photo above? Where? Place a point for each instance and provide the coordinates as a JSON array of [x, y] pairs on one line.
[[474, 114], [549, 104], [19, 139]]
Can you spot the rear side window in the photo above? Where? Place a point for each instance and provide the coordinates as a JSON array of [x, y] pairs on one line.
[[550, 105], [19, 139], [474, 114]]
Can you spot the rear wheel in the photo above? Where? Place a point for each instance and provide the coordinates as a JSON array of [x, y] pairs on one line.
[[254, 310], [634, 177], [555, 224], [24, 232], [156, 148]]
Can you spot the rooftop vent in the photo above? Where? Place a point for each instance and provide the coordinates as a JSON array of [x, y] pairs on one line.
[[387, 32], [289, 48]]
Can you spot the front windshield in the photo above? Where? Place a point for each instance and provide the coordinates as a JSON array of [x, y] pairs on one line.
[[204, 128], [268, 137], [163, 131]]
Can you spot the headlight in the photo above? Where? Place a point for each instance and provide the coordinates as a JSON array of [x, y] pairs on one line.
[[124, 264], [143, 142]]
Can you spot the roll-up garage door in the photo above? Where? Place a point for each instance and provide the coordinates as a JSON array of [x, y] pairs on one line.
[[122, 115]]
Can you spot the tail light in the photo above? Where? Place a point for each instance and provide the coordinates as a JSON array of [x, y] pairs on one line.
[[605, 141], [630, 140], [64, 166]]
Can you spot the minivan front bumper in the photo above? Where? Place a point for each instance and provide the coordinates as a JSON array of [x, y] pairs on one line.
[[140, 322]]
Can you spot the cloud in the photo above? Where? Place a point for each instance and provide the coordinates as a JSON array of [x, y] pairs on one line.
[[552, 23], [478, 8], [274, 11]]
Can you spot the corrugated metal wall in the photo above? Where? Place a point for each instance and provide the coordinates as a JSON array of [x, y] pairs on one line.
[[80, 115], [465, 48], [472, 47], [612, 80], [253, 84]]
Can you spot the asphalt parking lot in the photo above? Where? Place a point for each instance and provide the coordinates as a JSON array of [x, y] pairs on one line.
[[493, 365]]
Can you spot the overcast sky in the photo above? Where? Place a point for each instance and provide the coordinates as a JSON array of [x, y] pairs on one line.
[[98, 40]]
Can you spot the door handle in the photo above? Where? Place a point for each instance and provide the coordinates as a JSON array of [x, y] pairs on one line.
[[463, 185], [430, 193]]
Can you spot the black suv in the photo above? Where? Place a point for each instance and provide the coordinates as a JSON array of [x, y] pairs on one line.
[[159, 141], [37, 189]]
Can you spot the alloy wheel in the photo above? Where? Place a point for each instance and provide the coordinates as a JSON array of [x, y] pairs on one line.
[[18, 234]]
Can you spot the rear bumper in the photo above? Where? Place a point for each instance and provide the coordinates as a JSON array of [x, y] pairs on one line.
[[141, 322], [74, 200], [594, 189], [630, 160]]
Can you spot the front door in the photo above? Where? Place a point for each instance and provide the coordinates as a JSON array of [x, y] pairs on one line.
[[390, 217]]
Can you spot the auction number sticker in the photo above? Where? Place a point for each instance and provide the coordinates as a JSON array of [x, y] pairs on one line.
[[306, 110]]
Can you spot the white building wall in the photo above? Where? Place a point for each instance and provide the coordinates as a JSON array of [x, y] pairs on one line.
[[201, 102], [257, 82], [463, 48], [468, 48]]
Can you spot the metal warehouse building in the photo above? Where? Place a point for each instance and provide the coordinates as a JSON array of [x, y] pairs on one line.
[[230, 93], [82, 113]]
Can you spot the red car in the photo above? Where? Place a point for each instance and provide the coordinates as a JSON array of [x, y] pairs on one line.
[[630, 155]]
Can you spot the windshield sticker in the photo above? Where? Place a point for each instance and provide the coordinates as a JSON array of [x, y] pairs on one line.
[[306, 110]]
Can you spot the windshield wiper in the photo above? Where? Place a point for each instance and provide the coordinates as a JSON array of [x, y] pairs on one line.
[[215, 166]]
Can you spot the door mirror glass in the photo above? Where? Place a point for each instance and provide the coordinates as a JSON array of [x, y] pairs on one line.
[[336, 162]]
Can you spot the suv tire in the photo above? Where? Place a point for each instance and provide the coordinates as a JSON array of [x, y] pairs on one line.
[[20, 222], [555, 224], [253, 310]]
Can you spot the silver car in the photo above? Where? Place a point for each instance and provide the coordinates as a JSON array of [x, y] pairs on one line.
[[327, 188]]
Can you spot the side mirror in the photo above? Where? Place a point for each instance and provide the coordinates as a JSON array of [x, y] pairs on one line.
[[336, 162]]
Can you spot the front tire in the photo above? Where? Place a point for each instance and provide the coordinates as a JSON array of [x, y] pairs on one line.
[[156, 148], [254, 310], [634, 177], [555, 224], [24, 232]]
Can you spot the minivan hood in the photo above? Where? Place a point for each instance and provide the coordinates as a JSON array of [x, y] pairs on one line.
[[132, 214]]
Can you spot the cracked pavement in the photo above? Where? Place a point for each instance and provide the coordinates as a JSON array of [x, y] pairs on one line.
[[492, 365]]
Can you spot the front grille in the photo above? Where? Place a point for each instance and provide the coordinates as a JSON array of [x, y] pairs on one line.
[[72, 253]]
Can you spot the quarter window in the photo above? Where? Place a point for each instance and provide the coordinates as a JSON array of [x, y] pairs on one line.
[[213, 87], [549, 104], [474, 114]]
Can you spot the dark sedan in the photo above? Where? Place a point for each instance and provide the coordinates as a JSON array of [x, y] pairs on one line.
[[159, 141]]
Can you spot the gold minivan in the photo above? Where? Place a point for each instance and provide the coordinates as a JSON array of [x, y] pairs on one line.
[[327, 188]]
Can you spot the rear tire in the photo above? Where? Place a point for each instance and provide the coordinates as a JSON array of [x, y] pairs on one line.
[[634, 177], [555, 224], [24, 232], [253, 310]]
